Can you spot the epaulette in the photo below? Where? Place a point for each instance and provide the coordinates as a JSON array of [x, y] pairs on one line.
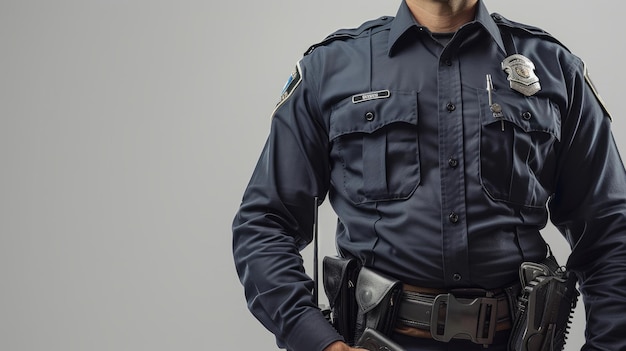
[[343, 34], [502, 21]]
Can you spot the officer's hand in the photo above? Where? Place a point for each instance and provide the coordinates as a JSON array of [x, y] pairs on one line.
[[340, 346]]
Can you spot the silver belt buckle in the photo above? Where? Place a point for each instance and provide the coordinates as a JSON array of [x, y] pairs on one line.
[[473, 319]]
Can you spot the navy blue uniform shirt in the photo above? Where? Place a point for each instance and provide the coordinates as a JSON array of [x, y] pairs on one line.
[[429, 184]]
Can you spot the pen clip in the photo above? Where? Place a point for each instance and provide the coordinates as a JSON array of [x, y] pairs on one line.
[[495, 108]]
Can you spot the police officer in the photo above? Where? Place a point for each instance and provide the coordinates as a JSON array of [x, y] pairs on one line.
[[444, 138]]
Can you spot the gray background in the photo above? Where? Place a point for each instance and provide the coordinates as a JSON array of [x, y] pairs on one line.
[[128, 131]]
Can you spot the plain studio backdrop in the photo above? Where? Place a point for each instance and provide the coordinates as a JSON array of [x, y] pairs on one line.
[[128, 132]]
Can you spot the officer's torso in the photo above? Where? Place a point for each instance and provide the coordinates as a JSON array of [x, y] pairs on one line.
[[424, 174]]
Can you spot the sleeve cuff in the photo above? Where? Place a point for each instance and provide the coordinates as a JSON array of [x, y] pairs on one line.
[[312, 332]]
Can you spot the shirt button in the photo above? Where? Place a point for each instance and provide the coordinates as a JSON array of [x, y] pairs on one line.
[[450, 107], [448, 62], [495, 108], [527, 115], [456, 277], [453, 217], [369, 116], [453, 162]]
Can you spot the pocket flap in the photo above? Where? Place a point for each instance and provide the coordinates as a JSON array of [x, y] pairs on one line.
[[368, 116], [531, 114], [337, 272], [373, 288]]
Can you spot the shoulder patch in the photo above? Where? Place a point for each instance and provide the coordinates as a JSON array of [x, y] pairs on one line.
[[292, 83], [595, 91], [343, 34]]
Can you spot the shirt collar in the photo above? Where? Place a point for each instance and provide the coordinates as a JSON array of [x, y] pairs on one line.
[[404, 21]]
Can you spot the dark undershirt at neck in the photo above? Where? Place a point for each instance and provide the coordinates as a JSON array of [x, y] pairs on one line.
[[443, 38]]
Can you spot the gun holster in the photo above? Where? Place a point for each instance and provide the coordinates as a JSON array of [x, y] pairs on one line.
[[340, 277], [377, 298], [544, 307]]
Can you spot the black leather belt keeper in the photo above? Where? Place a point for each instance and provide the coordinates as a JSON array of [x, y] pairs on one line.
[[446, 315]]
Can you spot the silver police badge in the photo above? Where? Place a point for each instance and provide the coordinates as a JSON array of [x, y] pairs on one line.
[[522, 77]]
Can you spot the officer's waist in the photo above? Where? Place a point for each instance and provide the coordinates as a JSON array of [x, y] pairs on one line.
[[473, 314]]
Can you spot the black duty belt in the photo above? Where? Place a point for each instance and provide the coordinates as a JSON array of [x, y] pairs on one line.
[[460, 314]]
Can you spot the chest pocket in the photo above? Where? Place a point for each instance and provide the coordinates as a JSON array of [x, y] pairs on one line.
[[516, 164], [374, 147]]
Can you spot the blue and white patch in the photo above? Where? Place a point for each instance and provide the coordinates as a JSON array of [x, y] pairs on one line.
[[595, 91], [291, 85]]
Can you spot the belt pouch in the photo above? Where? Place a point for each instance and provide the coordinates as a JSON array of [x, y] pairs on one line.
[[377, 297], [340, 275]]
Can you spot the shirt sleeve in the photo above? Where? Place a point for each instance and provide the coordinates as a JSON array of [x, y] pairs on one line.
[[275, 221], [589, 208]]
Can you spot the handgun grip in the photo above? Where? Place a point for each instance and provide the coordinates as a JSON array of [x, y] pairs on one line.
[[374, 340]]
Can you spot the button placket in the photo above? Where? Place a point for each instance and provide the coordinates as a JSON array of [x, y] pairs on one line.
[[451, 158]]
